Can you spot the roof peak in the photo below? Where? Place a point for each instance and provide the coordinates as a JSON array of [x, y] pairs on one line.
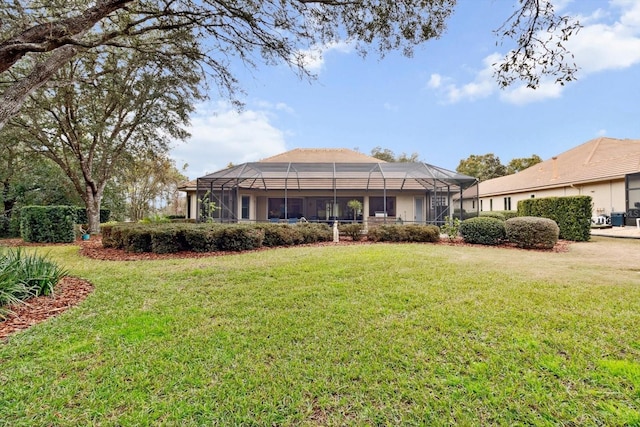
[[321, 155]]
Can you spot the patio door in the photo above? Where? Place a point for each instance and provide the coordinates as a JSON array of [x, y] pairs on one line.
[[419, 208]]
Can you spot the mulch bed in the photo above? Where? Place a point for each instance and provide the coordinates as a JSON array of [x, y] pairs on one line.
[[67, 293], [71, 290]]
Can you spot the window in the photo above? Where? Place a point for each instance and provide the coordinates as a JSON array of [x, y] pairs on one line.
[[376, 204], [490, 204], [438, 201], [277, 208], [481, 205], [507, 203], [633, 195], [246, 200]]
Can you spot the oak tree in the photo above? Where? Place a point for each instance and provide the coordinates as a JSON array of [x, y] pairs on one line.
[[107, 104]]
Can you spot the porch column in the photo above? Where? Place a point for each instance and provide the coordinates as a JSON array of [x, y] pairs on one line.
[[365, 214]]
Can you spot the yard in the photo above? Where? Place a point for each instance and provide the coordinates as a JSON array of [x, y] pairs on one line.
[[383, 334]]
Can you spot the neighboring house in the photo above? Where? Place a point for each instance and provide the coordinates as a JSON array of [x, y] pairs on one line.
[[606, 169], [317, 185]]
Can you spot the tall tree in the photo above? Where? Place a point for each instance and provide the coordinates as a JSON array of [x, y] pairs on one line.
[[106, 104], [522, 163], [147, 179], [483, 167], [43, 36]]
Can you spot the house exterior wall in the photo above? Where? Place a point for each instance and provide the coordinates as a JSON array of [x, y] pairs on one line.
[[405, 202], [607, 196]]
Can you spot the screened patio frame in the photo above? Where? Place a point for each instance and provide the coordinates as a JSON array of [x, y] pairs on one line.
[[332, 178]]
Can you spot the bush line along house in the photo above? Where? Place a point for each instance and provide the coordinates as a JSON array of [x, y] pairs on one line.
[[606, 169], [318, 184]]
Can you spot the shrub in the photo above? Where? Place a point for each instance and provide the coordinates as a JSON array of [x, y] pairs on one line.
[[404, 233], [136, 239], [422, 233], [281, 235], [47, 224], [166, 240], [532, 232], [483, 230], [451, 228], [387, 233], [202, 237], [352, 230], [239, 238], [315, 232], [493, 214]]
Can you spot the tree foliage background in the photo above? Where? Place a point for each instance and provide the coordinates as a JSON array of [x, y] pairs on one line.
[[488, 166]]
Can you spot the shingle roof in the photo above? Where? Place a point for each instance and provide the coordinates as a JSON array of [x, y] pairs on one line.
[[321, 155], [596, 160]]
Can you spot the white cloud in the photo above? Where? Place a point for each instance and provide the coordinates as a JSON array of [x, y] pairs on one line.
[[220, 135], [482, 87], [609, 40], [313, 58], [435, 81]]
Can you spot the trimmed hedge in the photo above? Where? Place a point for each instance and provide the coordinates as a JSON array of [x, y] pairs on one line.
[[47, 224], [209, 237], [483, 230], [572, 214], [404, 233], [531, 232]]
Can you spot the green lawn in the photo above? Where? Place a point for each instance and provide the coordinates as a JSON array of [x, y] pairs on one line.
[[409, 334]]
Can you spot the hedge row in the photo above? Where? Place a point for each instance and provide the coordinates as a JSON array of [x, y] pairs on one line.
[[210, 237], [404, 233], [48, 224], [572, 214]]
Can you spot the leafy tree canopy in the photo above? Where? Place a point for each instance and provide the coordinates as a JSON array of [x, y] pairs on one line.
[[522, 163], [488, 166], [389, 156], [40, 37]]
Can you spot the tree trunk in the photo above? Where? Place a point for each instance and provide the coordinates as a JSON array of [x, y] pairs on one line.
[[93, 200]]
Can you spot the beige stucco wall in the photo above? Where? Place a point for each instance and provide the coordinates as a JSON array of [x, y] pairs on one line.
[[608, 196]]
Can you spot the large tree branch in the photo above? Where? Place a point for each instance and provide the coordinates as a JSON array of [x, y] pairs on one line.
[[15, 95], [52, 35]]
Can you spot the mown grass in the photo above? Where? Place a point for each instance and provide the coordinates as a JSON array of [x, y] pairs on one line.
[[409, 334]]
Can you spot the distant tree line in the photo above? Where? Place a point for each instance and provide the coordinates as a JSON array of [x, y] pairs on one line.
[[488, 166]]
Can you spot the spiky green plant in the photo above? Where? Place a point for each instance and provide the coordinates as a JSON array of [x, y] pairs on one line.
[[24, 275]]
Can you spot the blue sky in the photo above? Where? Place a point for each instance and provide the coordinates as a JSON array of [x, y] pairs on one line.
[[443, 103]]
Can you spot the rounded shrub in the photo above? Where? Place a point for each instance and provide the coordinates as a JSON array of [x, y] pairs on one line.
[[422, 233], [483, 230], [532, 232], [352, 230]]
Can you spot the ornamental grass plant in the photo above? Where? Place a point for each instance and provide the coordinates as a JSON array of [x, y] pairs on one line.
[[24, 275]]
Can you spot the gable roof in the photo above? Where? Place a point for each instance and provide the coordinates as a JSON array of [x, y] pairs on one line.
[[599, 159], [321, 155]]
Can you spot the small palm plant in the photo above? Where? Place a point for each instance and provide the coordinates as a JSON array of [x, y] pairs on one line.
[[356, 207]]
